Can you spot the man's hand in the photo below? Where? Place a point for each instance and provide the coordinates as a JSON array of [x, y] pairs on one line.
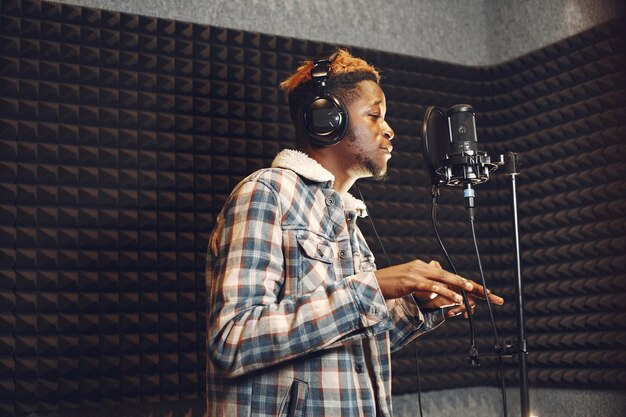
[[428, 282], [433, 301], [462, 309]]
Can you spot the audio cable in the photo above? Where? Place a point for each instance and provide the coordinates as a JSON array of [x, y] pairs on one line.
[[473, 352], [474, 360], [493, 323]]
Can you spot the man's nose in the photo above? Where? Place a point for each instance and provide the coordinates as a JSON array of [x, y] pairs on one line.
[[388, 133]]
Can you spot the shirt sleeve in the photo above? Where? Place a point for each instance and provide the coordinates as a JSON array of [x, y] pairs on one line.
[[410, 322], [250, 324]]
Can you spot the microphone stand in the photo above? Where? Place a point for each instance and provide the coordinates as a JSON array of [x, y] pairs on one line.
[[511, 165], [463, 168]]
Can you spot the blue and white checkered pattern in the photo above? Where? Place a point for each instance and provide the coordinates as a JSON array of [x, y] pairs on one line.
[[297, 325]]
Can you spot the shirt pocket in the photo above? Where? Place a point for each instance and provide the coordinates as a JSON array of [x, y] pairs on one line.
[[280, 397], [316, 262], [294, 404]]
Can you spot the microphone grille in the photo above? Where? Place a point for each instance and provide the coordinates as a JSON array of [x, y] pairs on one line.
[[462, 127]]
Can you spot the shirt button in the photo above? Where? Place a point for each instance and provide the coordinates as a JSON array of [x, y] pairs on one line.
[[358, 368], [330, 201], [342, 253]]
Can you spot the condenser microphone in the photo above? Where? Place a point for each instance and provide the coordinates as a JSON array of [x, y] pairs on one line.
[[462, 129], [450, 147]]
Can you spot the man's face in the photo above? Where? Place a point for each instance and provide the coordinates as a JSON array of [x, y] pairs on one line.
[[368, 139]]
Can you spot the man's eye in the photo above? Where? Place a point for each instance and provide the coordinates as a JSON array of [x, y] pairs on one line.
[[375, 116]]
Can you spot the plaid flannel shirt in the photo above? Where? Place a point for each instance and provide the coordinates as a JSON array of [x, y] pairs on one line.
[[296, 322]]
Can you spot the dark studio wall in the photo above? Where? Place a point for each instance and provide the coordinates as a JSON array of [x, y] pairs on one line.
[[122, 135]]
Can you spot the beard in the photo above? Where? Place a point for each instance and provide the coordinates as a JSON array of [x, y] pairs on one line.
[[377, 173]]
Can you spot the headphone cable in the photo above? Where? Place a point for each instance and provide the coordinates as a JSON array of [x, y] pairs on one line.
[[369, 215]]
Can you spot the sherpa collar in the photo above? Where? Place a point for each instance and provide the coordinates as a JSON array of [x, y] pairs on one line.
[[303, 165], [307, 167]]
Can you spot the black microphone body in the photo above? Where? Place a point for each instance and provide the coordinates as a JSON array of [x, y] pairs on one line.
[[464, 163], [462, 128]]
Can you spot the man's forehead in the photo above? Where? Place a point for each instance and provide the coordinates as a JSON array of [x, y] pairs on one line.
[[370, 93]]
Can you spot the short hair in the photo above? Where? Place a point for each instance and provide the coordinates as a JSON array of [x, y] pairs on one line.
[[346, 71]]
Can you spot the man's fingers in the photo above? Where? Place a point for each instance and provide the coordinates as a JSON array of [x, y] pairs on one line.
[[456, 311], [462, 309], [480, 293], [496, 300], [435, 263], [433, 289], [449, 278], [472, 287], [446, 292], [437, 274], [471, 311], [433, 272]]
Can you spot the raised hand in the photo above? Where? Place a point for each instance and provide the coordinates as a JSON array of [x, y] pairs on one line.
[[428, 281]]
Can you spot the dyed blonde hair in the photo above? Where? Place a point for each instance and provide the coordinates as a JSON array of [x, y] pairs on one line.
[[344, 63], [346, 72]]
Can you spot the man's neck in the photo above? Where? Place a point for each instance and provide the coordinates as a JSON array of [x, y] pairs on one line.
[[335, 165]]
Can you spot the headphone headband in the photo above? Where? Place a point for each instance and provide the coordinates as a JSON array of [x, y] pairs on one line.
[[321, 66]]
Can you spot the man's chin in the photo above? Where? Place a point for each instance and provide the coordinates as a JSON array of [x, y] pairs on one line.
[[383, 177], [377, 173]]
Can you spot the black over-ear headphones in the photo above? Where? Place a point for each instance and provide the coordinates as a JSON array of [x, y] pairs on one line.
[[324, 118]]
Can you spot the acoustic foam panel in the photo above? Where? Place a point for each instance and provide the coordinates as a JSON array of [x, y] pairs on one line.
[[121, 137]]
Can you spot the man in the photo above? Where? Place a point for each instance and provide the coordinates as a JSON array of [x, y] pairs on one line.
[[300, 321]]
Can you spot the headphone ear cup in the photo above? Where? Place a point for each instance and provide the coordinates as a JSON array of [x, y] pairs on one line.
[[325, 120]]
